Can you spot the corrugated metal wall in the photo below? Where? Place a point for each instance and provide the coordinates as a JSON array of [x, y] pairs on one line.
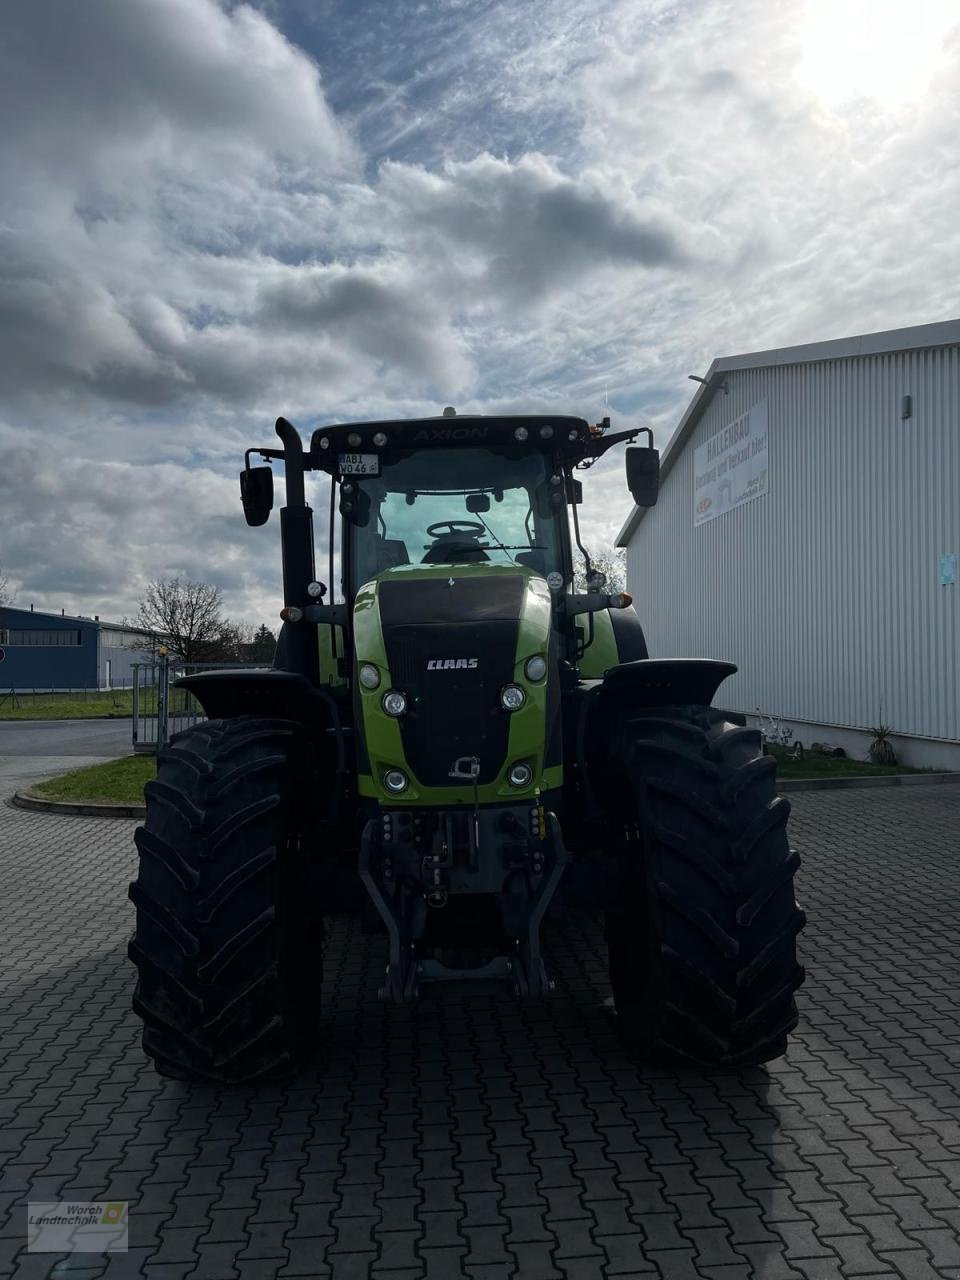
[[121, 660], [826, 590], [32, 666]]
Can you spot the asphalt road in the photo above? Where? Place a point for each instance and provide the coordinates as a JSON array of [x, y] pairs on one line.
[[32, 749]]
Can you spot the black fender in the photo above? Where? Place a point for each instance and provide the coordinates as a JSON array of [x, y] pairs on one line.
[[660, 682], [628, 634], [606, 705], [285, 695], [224, 695]]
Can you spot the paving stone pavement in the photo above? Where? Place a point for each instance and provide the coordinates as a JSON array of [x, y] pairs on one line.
[[472, 1137]]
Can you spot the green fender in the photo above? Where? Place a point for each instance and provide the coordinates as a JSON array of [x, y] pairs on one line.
[[617, 638]]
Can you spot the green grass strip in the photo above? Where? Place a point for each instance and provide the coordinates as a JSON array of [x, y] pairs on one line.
[[113, 782], [814, 766], [90, 705]]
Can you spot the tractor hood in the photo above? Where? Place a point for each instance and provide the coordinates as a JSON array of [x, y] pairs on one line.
[[450, 638]]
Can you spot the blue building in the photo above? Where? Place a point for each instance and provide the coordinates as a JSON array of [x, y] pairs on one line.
[[51, 651]]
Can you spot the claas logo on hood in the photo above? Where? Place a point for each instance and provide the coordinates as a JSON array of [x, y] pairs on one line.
[[452, 664]]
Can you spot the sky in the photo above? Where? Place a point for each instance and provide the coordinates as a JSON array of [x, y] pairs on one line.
[[213, 213]]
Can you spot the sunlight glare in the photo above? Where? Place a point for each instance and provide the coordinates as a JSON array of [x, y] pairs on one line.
[[885, 50]]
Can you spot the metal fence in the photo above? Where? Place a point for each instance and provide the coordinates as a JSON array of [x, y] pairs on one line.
[[160, 709]]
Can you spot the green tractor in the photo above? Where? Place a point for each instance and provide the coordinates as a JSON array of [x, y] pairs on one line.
[[458, 745]]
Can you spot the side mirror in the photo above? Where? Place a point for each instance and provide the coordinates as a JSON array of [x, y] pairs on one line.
[[575, 492], [256, 494], [477, 503], [643, 474]]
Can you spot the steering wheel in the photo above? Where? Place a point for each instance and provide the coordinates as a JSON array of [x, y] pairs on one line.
[[450, 527]]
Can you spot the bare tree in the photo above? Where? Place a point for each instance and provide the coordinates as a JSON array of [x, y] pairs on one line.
[[611, 563], [233, 642], [187, 614], [7, 594]]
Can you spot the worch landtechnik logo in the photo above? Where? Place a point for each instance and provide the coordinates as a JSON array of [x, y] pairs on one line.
[[77, 1226]]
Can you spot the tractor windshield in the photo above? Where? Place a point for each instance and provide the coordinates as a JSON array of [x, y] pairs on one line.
[[459, 506]]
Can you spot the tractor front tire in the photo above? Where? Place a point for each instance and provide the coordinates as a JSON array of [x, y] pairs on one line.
[[702, 937], [227, 943]]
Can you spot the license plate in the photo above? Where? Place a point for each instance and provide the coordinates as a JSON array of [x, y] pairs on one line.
[[359, 464]]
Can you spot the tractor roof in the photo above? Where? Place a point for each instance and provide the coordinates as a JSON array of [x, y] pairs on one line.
[[577, 438]]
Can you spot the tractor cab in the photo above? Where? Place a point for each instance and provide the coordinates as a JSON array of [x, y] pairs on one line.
[[440, 493], [451, 505], [458, 490], [430, 490]]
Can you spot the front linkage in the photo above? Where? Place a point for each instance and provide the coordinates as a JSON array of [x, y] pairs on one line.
[[514, 854]]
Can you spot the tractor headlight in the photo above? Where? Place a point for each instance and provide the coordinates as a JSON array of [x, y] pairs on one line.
[[369, 675], [315, 590], [379, 439], [512, 697], [394, 702], [520, 775], [354, 440], [395, 780], [535, 668], [520, 433]]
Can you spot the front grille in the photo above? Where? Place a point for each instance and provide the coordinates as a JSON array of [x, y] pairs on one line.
[[453, 712], [496, 597]]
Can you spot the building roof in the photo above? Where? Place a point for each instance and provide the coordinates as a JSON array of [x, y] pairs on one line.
[[945, 333], [80, 618]]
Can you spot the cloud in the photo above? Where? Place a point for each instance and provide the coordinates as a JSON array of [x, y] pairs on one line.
[[143, 139], [88, 537], [385, 315], [157, 87], [425, 84], [176, 261], [800, 206], [521, 230], [211, 213]]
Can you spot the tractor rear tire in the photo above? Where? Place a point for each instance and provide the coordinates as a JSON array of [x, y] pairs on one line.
[[702, 940], [228, 942]]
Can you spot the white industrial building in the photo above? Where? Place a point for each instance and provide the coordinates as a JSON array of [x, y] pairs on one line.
[[808, 529]]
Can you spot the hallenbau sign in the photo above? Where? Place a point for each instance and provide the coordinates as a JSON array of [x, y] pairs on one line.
[[731, 467]]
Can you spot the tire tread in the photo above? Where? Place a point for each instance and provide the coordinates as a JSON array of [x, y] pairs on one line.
[[224, 919], [702, 937]]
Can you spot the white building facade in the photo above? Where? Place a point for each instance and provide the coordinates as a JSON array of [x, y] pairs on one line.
[[808, 529]]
